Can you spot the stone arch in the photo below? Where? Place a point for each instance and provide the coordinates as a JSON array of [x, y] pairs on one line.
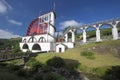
[[69, 36], [32, 39], [91, 34], [79, 35], [106, 31], [36, 47], [25, 46], [42, 39], [110, 25]]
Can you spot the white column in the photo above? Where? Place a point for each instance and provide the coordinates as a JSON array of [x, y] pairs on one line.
[[66, 37], [98, 34], [115, 33], [84, 36], [73, 37]]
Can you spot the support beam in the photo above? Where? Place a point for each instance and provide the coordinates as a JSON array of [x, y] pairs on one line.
[[73, 36], [84, 35], [115, 33], [98, 35], [66, 37]]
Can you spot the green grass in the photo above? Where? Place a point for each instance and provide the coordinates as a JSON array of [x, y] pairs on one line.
[[88, 54], [97, 65], [100, 60]]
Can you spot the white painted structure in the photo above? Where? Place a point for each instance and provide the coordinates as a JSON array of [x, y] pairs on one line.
[[112, 23], [46, 42], [42, 42], [60, 47]]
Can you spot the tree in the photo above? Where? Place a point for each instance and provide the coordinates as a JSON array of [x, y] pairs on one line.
[[16, 48], [113, 73], [56, 62]]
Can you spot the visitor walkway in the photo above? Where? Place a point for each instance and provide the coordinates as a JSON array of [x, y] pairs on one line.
[[10, 56]]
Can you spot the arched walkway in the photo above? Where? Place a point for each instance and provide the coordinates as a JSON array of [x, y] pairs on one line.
[[69, 36], [25, 46], [106, 32], [79, 35], [91, 34], [36, 47]]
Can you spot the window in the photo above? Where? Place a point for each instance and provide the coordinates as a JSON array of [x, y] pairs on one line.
[[42, 39], [25, 46], [36, 47], [60, 49]]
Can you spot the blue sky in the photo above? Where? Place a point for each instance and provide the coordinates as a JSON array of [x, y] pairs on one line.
[[16, 15]]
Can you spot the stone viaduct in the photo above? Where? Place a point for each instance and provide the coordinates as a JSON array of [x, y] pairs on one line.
[[113, 23]]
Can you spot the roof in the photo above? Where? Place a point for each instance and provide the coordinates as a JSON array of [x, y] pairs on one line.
[[61, 44]]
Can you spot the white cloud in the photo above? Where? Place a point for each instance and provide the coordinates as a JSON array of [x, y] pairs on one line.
[[4, 6], [67, 23], [6, 35], [14, 22]]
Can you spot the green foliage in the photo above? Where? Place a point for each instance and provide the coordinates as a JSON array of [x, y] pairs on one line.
[[99, 70], [7, 76], [46, 68], [56, 62], [4, 43], [48, 76], [106, 32], [52, 76], [38, 77], [72, 65], [33, 64], [88, 54], [21, 73], [82, 68], [113, 73], [13, 67], [16, 48]]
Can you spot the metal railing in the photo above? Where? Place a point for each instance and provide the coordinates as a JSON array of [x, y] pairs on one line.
[[9, 56]]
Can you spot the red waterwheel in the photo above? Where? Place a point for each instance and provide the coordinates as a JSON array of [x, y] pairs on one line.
[[36, 27]]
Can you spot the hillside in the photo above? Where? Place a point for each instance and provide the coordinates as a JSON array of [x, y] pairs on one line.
[[4, 43], [100, 57], [106, 54], [109, 49]]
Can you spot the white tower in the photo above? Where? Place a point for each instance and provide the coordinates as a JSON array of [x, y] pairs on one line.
[[40, 34]]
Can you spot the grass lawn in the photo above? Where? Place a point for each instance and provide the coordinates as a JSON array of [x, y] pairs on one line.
[[100, 60]]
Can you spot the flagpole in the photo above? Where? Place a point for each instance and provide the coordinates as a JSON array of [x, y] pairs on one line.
[[54, 6]]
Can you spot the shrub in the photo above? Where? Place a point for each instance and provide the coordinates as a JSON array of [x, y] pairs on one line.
[[38, 77], [99, 70], [88, 54], [52, 76], [3, 64], [21, 72], [56, 62], [12, 67], [33, 63], [7, 76], [46, 68], [82, 68], [112, 74], [16, 48], [24, 73]]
